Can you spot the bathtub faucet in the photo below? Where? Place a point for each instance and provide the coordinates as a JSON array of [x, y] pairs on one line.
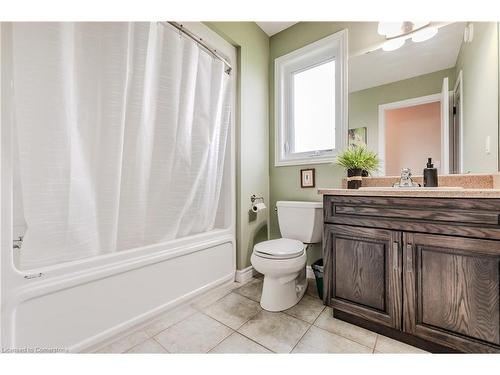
[[18, 243]]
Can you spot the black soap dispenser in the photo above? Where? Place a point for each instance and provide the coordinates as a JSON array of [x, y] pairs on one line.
[[430, 174]]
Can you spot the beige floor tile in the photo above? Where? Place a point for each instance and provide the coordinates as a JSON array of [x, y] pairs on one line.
[[237, 343], [317, 340], [252, 290], [148, 347], [169, 319], [387, 345], [197, 334], [233, 310], [308, 309], [363, 336], [214, 295], [125, 343], [276, 331]]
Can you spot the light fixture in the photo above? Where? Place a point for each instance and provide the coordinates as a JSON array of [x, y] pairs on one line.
[[419, 25], [390, 29], [393, 44], [396, 33], [424, 34], [394, 29]]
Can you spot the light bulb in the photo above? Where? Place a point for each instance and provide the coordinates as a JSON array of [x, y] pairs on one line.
[[390, 29], [393, 44], [424, 34]]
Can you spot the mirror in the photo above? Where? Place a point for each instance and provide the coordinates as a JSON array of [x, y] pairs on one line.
[[432, 92]]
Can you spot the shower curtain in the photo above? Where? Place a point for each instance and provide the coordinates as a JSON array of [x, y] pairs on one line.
[[121, 132]]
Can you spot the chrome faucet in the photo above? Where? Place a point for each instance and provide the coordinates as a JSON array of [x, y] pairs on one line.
[[405, 179]]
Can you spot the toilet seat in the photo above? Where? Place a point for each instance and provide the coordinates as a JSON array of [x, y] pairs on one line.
[[282, 248]]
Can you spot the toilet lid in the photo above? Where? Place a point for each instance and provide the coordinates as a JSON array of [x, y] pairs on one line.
[[283, 248]]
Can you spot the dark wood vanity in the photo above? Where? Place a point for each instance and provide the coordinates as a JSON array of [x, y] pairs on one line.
[[423, 270]]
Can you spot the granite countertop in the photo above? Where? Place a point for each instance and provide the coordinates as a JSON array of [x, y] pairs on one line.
[[441, 192]]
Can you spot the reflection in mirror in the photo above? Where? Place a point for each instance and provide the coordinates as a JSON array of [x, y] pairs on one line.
[[426, 90]]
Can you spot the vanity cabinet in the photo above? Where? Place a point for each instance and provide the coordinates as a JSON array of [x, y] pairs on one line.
[[451, 291], [366, 281], [424, 271]]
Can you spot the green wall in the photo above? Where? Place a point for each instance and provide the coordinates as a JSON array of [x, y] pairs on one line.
[[363, 109], [363, 104], [252, 152], [256, 173], [478, 61], [285, 181]]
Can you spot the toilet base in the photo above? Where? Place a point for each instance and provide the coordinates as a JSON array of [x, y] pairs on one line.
[[281, 293]]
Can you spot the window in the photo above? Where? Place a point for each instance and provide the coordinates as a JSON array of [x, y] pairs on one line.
[[310, 89]]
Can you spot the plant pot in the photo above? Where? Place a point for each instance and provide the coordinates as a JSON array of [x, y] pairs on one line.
[[354, 178], [364, 173]]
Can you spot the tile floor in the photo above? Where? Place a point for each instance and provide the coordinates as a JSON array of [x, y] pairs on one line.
[[229, 319]]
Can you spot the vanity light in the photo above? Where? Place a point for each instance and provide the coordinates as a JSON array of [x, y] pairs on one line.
[[396, 33], [390, 29], [424, 34], [393, 44], [394, 29]]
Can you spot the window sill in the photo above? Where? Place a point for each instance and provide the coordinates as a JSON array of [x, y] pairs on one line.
[[304, 161]]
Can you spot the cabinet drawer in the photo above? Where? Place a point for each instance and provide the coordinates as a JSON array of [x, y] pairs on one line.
[[427, 213]]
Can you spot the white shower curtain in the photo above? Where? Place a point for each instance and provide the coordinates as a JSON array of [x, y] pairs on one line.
[[121, 131]]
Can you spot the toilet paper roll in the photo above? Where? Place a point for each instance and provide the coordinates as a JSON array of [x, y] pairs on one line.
[[258, 207]]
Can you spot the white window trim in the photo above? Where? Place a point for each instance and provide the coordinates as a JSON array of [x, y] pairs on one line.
[[283, 66]]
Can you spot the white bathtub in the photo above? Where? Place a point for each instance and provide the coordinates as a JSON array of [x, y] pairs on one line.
[[76, 306]]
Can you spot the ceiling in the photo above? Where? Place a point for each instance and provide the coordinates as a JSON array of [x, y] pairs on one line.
[[370, 66], [271, 28], [413, 59]]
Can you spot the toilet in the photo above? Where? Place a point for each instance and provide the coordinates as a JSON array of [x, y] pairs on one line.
[[283, 261]]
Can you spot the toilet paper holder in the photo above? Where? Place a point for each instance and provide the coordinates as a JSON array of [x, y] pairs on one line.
[[257, 203]]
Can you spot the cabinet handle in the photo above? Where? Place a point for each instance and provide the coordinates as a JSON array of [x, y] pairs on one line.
[[395, 256], [409, 258]]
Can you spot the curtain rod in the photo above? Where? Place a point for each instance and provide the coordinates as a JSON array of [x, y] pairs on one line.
[[202, 43]]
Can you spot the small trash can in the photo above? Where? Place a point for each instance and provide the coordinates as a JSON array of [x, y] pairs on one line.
[[317, 268]]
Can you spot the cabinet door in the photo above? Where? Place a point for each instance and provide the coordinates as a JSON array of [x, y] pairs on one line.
[[451, 291], [363, 272]]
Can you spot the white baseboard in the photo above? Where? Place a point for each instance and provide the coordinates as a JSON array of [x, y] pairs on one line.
[[245, 275], [309, 272]]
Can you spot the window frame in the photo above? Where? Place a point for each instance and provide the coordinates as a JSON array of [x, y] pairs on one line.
[[333, 47]]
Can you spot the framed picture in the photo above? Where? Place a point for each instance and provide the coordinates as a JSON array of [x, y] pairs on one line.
[[357, 136], [307, 178]]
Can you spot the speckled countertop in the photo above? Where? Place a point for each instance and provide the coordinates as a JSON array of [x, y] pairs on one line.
[[420, 193], [473, 186], [466, 181]]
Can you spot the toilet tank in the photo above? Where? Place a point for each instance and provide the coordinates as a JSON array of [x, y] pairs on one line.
[[301, 221]]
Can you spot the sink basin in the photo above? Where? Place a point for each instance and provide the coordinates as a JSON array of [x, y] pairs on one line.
[[389, 188]]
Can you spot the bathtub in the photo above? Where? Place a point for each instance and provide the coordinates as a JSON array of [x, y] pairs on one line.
[[76, 306]]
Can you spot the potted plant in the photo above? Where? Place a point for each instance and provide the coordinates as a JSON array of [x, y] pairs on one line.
[[358, 161]]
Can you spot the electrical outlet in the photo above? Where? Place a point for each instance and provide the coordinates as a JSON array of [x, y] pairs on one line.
[[469, 33]]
